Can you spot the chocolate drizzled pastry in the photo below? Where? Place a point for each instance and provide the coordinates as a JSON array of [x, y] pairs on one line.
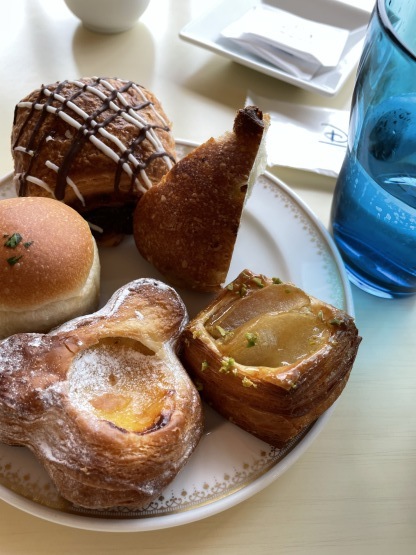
[[96, 144]]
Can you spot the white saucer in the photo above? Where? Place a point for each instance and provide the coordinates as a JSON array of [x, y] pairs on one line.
[[205, 31]]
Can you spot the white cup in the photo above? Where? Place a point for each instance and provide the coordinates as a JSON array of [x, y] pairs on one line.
[[108, 16]]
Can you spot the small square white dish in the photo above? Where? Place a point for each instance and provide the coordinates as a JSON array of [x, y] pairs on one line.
[[205, 31]]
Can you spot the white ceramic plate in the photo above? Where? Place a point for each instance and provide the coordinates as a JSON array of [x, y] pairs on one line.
[[279, 236], [205, 31]]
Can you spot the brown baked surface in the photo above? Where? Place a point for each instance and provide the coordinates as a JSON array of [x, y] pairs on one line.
[[186, 226], [232, 351], [94, 143], [51, 260], [103, 401]]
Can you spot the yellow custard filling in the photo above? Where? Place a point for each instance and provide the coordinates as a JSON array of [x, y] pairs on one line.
[[120, 381]]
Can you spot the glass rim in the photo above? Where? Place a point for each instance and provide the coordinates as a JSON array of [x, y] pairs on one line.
[[391, 31]]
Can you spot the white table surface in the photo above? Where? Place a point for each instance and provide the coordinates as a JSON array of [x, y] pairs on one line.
[[354, 491]]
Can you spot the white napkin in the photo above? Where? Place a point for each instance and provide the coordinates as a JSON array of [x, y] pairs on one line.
[[308, 138], [297, 45]]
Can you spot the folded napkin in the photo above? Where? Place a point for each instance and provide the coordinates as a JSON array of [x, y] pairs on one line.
[[297, 45], [308, 138]]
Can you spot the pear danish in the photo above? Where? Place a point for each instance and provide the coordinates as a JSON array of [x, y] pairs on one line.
[[269, 357], [187, 225], [103, 400]]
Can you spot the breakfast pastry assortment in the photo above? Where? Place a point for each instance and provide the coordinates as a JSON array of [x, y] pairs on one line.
[[111, 400]]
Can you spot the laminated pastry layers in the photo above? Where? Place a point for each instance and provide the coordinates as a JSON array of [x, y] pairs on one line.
[[95, 143], [269, 357], [103, 401]]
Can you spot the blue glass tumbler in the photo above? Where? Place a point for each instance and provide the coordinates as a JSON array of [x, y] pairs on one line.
[[373, 215]]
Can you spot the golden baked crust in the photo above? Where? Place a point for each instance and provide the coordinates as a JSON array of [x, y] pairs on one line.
[[52, 257], [49, 265], [269, 357], [103, 401], [186, 226], [95, 143]]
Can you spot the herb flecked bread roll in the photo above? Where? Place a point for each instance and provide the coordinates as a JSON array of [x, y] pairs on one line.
[[49, 265], [95, 143]]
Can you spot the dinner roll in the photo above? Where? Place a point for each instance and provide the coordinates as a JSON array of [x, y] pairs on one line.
[[49, 265]]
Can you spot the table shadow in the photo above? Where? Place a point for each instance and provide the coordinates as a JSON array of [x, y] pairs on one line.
[[109, 55]]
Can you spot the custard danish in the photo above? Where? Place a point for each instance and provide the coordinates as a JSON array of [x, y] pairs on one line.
[[103, 400]]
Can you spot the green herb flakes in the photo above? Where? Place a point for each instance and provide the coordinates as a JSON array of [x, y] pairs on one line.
[[199, 386], [258, 282], [252, 339], [247, 382], [221, 331], [13, 240], [227, 365], [14, 260], [243, 290]]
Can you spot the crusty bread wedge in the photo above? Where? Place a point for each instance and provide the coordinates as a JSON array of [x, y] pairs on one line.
[[186, 226]]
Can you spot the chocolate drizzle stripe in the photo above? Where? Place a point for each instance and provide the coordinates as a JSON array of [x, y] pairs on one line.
[[167, 159], [90, 129], [22, 180], [140, 91], [99, 144], [135, 117], [151, 135], [135, 120], [113, 106], [29, 116], [52, 110], [69, 181]]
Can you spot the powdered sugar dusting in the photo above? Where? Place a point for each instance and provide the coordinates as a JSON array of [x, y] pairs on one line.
[[101, 402], [116, 378]]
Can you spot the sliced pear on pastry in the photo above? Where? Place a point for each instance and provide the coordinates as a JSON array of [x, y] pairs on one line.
[[275, 339], [269, 357], [103, 401], [187, 224]]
